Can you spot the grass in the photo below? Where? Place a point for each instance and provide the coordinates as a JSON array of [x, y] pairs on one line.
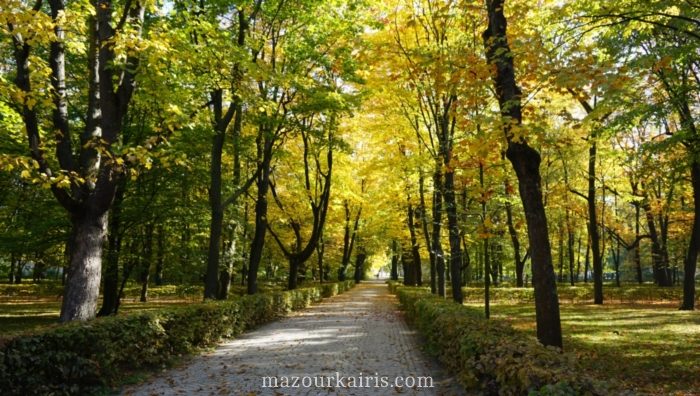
[[652, 348], [35, 306]]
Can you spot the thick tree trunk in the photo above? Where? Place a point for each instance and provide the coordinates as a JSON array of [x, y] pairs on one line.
[[526, 163], [294, 266], [211, 283], [83, 281], [409, 268], [691, 259], [658, 254]]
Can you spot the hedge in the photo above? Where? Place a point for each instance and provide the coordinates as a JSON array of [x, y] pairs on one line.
[[81, 358], [490, 356]]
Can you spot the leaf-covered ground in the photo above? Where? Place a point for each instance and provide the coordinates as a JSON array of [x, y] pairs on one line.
[[654, 349]]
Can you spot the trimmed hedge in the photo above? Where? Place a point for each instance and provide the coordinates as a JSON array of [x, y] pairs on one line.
[[489, 355], [81, 358]]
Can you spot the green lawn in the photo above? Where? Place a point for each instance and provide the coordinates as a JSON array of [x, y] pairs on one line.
[[652, 348], [35, 306]]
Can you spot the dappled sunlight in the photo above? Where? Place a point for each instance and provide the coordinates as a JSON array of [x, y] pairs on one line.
[[646, 336]]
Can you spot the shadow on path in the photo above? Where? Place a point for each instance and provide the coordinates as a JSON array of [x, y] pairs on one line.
[[351, 344]]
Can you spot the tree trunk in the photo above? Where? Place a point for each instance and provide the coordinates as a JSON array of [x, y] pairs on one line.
[[263, 182], [110, 290], [226, 275], [519, 263], [160, 259], [11, 274], [690, 263], [570, 248], [211, 283], [320, 249], [455, 239], [294, 266], [578, 259], [593, 225], [19, 271], [437, 227], [426, 234], [83, 280], [415, 249], [587, 264], [359, 266], [526, 163], [637, 248], [409, 267], [561, 253], [659, 257], [147, 261], [394, 261], [487, 280]]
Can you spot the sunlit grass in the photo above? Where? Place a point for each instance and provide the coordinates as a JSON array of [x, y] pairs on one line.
[[35, 306], [654, 349]]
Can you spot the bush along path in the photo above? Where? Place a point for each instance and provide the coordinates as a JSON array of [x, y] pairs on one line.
[[83, 358], [356, 343], [489, 356]]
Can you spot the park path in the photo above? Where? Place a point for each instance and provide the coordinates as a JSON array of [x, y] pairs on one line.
[[359, 334]]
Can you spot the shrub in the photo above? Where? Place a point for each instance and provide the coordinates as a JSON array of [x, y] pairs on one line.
[[490, 355], [79, 358]]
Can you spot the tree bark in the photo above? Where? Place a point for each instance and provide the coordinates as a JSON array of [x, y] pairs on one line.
[[263, 181], [525, 161], [110, 289], [594, 236], [515, 241], [426, 234], [83, 280], [160, 255], [637, 248], [436, 236], [348, 240], [690, 263], [359, 266], [394, 261], [455, 238], [11, 274], [415, 249]]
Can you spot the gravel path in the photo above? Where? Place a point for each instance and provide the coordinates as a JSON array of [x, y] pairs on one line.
[[356, 343]]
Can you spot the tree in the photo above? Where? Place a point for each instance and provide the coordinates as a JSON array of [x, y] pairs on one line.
[[526, 163], [87, 177]]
